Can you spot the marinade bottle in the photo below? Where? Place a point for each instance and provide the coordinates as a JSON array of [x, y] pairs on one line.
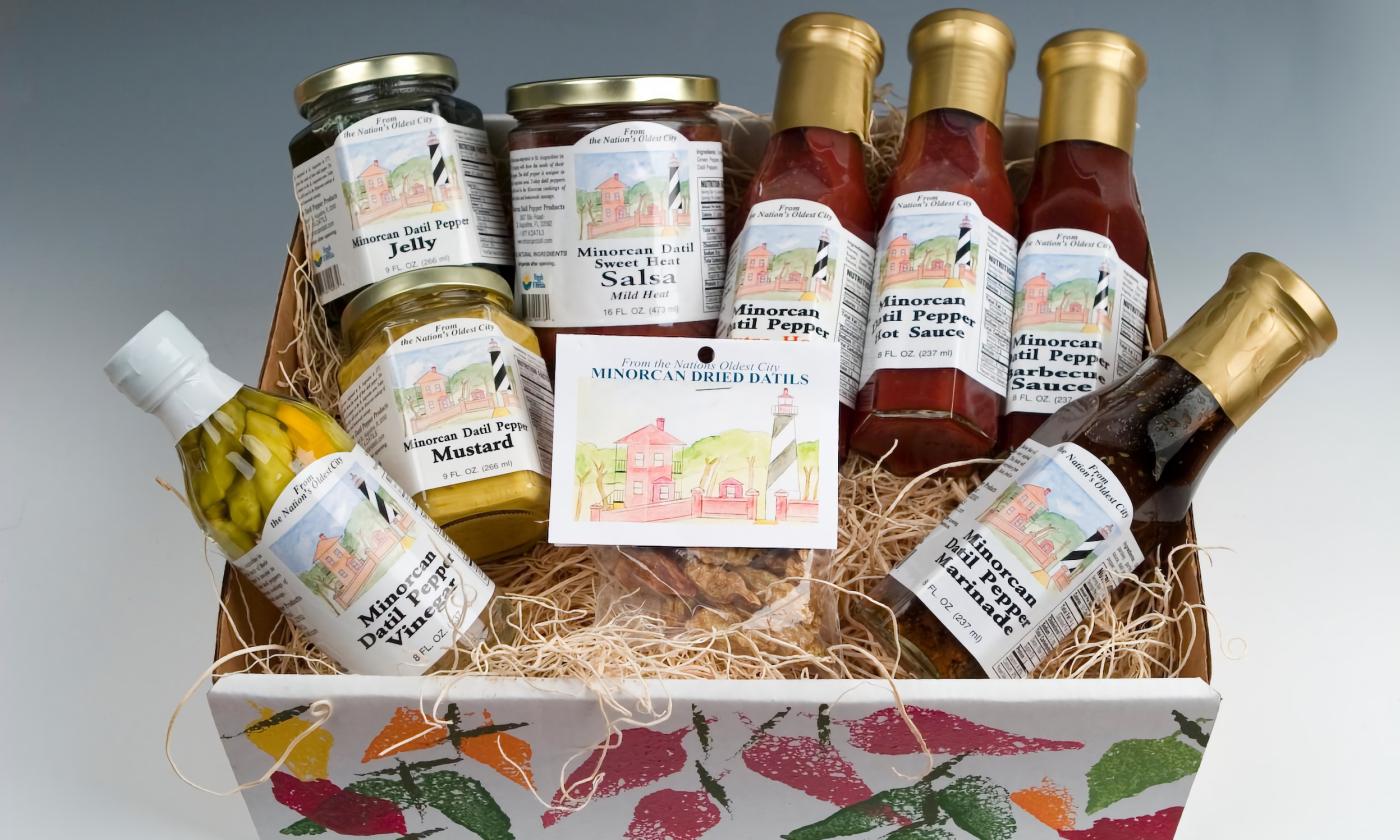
[[1081, 274], [800, 267], [934, 372], [1101, 488], [304, 513]]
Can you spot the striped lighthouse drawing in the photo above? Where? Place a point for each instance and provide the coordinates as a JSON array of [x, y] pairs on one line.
[[500, 379], [820, 280], [442, 176], [399, 521], [782, 457], [673, 192], [1099, 313], [1064, 568], [961, 273]]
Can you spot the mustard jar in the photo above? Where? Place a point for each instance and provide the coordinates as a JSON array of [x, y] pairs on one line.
[[447, 390]]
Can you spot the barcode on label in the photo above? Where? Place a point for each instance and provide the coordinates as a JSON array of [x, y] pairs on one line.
[[536, 307], [327, 280]]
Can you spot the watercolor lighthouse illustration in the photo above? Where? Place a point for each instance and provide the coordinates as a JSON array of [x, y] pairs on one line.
[[790, 265], [929, 255], [1064, 293], [1050, 524], [781, 483], [632, 194]]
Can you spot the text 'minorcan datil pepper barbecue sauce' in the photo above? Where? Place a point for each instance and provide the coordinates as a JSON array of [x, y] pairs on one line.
[[800, 267], [1081, 275], [1102, 487], [934, 372], [617, 194], [393, 173]]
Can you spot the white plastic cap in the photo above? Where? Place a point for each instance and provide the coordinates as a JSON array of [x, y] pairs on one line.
[[164, 359]]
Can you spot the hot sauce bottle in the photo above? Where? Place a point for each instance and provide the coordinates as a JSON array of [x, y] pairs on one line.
[[800, 266], [1081, 276], [934, 370], [1102, 487]]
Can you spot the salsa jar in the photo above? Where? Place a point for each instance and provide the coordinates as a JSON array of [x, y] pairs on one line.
[[446, 389], [617, 193], [393, 173]]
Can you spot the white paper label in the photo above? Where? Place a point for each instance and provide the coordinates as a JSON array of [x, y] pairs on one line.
[[397, 191], [1080, 319], [694, 442], [1024, 558], [624, 227], [450, 402], [796, 275], [365, 574], [943, 298]]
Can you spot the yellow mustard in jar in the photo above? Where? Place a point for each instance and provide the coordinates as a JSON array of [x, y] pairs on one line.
[[447, 390]]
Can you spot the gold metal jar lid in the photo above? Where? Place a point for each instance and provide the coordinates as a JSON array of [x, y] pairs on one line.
[[829, 64], [423, 281], [1251, 336], [372, 69], [961, 58], [1090, 80], [611, 90]]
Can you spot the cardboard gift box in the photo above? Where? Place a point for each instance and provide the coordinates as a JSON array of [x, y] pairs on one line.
[[803, 759]]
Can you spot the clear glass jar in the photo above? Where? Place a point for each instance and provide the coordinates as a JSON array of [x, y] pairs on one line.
[[393, 173], [618, 200], [447, 390]]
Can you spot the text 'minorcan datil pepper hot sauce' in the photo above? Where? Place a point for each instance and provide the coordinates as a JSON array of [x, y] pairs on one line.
[[446, 389], [617, 194], [934, 371], [800, 267], [391, 174], [1081, 275], [1102, 487], [304, 513]]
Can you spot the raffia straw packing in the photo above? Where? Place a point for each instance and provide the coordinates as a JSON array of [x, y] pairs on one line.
[[549, 611]]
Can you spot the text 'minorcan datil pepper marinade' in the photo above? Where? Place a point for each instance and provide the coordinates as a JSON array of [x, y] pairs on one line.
[[934, 371], [800, 266]]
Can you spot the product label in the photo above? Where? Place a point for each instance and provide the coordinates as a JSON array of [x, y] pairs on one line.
[[796, 275], [399, 190], [694, 442], [943, 293], [626, 226], [1024, 558], [1080, 319], [363, 572], [452, 401]]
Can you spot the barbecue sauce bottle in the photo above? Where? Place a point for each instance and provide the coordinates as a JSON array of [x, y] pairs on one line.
[[1081, 275], [934, 372], [800, 266], [1103, 486]]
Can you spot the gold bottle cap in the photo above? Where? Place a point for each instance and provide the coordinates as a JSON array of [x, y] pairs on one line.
[[611, 90], [372, 69], [961, 58], [1245, 342], [423, 281], [1090, 80], [829, 64]]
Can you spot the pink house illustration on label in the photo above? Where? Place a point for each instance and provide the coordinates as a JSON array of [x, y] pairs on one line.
[[375, 196], [353, 570], [756, 277], [651, 465], [1011, 516], [900, 266], [436, 404], [1035, 308], [615, 215]]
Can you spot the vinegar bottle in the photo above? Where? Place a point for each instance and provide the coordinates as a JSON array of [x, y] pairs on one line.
[[934, 371], [1081, 276], [800, 266], [304, 513], [1102, 487]]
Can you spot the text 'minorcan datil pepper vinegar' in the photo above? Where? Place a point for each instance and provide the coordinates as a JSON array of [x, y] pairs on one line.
[[800, 266], [934, 372], [307, 517], [1081, 275], [1102, 487]]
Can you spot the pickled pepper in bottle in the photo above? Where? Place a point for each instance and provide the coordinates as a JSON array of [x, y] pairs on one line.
[[1081, 275], [800, 267], [1102, 488], [304, 513], [934, 371]]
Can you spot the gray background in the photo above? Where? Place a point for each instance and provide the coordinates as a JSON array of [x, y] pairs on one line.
[[144, 167]]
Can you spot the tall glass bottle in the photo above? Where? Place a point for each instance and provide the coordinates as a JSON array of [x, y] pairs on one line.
[[1081, 276], [800, 266], [1103, 486], [315, 524], [934, 372]]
